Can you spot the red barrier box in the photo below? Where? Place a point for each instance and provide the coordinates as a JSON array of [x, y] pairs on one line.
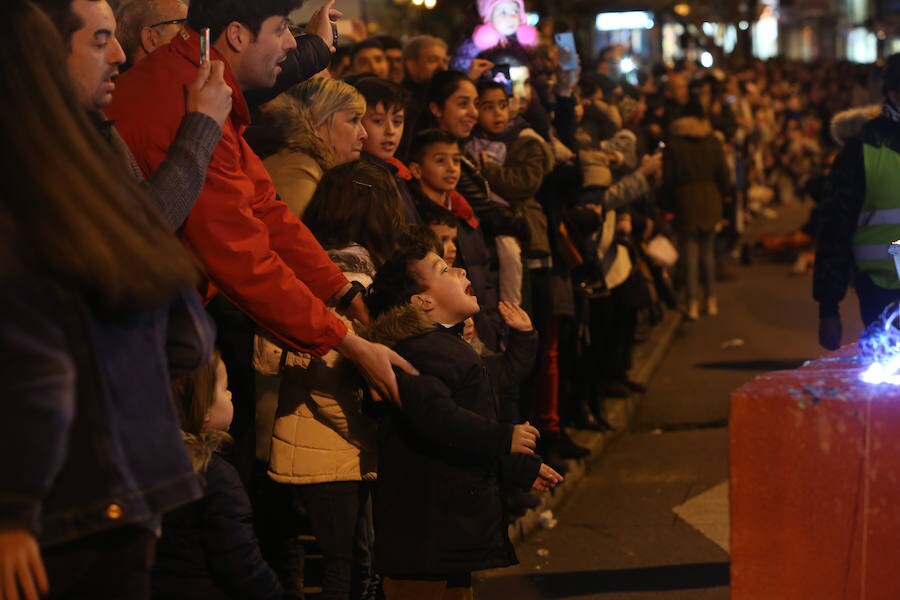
[[815, 486]]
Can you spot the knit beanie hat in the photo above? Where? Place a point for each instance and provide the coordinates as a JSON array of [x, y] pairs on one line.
[[486, 9]]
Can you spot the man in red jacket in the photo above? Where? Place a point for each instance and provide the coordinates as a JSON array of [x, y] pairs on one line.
[[252, 248]]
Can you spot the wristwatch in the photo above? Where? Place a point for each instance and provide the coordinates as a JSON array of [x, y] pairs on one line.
[[355, 288]]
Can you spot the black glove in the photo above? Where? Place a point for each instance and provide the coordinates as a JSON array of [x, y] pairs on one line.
[[830, 332]]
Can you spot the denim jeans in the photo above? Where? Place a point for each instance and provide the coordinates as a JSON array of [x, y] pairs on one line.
[[341, 517], [698, 250]]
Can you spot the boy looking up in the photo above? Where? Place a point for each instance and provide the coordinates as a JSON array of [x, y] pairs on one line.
[[435, 165], [442, 454]]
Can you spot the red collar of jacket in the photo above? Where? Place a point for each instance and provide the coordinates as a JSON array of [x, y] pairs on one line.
[[187, 43], [403, 171], [462, 209]]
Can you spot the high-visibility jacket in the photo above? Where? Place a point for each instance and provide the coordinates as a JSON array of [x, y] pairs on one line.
[[879, 217]]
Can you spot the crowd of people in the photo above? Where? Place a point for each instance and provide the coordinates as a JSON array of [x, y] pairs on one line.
[[290, 283]]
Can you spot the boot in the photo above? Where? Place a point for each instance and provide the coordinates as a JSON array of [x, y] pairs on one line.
[[586, 419], [569, 449], [617, 389], [693, 311]]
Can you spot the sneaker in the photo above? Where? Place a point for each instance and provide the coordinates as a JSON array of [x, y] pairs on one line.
[[693, 311], [712, 307]]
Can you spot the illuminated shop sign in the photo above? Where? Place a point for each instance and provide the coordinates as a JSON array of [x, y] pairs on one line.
[[617, 21]]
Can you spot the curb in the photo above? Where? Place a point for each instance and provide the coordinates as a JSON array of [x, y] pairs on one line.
[[647, 357]]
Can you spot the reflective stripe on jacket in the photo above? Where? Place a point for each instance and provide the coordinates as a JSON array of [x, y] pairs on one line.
[[879, 217]]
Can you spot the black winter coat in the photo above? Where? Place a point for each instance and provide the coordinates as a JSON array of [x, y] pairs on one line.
[[842, 201], [695, 175], [208, 549], [438, 508]]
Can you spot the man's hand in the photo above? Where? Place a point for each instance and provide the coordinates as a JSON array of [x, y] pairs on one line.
[[524, 439], [22, 574], [376, 363], [566, 82], [320, 23], [478, 68], [208, 93], [547, 479], [651, 165], [515, 317], [830, 332]]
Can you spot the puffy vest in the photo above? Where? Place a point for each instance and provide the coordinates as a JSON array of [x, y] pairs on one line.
[[879, 217]]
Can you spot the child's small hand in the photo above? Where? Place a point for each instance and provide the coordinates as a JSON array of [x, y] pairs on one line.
[[524, 439], [469, 330], [547, 479], [479, 68], [515, 317]]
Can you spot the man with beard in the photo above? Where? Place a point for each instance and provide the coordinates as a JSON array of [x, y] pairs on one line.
[[93, 63]]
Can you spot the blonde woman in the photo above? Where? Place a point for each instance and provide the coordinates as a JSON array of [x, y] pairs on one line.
[[305, 131]]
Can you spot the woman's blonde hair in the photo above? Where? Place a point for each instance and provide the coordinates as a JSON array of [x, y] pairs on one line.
[[320, 98], [291, 119]]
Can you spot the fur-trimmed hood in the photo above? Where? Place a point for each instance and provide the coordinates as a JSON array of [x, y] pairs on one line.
[[353, 261], [691, 127], [201, 447], [398, 324], [849, 123], [283, 124]]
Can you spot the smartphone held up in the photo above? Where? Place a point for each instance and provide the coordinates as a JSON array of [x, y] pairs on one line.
[[204, 45]]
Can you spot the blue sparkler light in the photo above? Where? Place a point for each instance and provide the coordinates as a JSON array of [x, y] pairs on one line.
[[880, 347]]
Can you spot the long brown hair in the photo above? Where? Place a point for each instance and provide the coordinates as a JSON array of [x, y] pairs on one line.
[[193, 395], [357, 202], [68, 205]]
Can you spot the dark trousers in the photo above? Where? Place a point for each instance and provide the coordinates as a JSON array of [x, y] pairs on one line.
[[535, 398], [113, 565], [606, 353], [340, 514], [568, 368], [872, 299]]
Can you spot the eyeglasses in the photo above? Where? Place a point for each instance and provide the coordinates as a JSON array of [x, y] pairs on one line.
[[171, 22]]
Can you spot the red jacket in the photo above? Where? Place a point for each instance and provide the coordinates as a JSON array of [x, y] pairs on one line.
[[252, 247]]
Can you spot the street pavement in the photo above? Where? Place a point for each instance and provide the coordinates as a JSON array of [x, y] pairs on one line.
[[618, 534]]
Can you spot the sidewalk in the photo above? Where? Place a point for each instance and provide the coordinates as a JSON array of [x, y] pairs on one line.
[[647, 357]]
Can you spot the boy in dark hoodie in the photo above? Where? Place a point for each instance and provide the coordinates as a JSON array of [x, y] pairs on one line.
[[442, 453]]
